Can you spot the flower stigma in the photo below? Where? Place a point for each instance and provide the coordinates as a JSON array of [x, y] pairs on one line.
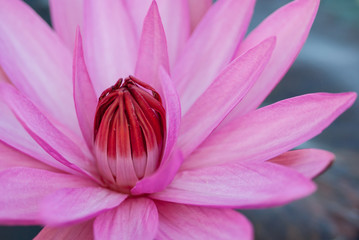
[[129, 130]]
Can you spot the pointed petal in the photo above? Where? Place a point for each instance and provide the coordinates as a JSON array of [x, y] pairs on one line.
[[173, 112], [178, 221], [10, 157], [110, 43], [152, 52], [198, 9], [309, 162], [78, 204], [210, 48], [225, 92], [84, 93], [36, 61], [13, 134], [161, 178], [240, 185], [175, 19], [271, 130], [135, 218], [22, 189], [66, 16], [82, 230], [290, 24], [44, 133]]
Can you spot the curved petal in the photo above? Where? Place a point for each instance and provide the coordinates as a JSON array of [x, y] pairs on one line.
[[198, 9], [171, 159], [135, 218], [82, 230], [173, 113], [309, 162], [290, 24], [110, 42], [45, 134], [222, 95], [178, 221], [271, 130], [66, 16], [210, 48], [70, 205], [22, 189], [36, 61], [175, 18], [152, 52], [161, 178], [240, 185], [84, 93], [13, 134], [10, 157]]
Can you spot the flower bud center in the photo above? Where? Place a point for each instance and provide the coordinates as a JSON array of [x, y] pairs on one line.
[[129, 132]]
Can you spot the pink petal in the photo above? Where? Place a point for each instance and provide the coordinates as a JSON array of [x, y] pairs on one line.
[[135, 218], [291, 25], [175, 18], [84, 93], [178, 221], [45, 134], [241, 185], [309, 162], [223, 94], [210, 48], [161, 178], [110, 42], [10, 157], [198, 9], [22, 189], [271, 130], [79, 231], [66, 16], [13, 134], [152, 52], [173, 112], [36, 61], [171, 159], [3, 77], [78, 204]]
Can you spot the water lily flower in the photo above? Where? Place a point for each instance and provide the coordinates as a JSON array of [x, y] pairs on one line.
[[138, 119]]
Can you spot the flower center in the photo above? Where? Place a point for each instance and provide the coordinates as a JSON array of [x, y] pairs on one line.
[[129, 130]]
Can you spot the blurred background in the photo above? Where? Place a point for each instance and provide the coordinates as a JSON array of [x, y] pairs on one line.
[[329, 62]]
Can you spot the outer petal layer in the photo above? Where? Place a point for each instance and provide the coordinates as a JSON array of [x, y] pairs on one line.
[[239, 185], [198, 9], [44, 133], [225, 92], [79, 231], [66, 16], [210, 48], [290, 24], [178, 221], [36, 61], [110, 42], [271, 130], [76, 204], [136, 218], [11, 157], [22, 189], [309, 162]]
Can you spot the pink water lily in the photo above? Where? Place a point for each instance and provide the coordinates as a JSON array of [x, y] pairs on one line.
[[138, 119]]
